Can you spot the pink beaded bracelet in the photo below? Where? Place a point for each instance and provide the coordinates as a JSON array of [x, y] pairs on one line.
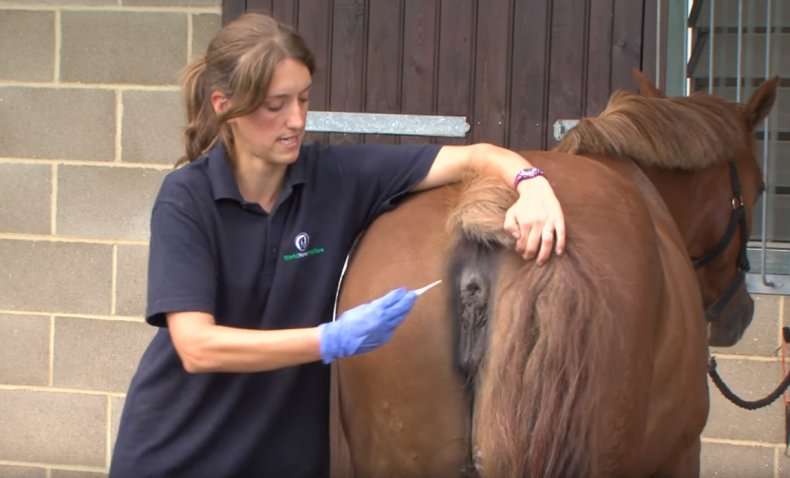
[[527, 173]]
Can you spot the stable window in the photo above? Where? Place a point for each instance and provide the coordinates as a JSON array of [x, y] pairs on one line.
[[730, 48]]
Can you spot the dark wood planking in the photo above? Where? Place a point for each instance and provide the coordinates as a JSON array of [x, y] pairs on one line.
[[512, 67], [286, 11], [349, 37], [529, 82], [599, 56], [455, 61], [315, 25], [650, 49], [662, 64], [647, 62], [384, 53], [231, 9], [260, 6], [420, 50], [567, 62], [492, 71], [626, 43]]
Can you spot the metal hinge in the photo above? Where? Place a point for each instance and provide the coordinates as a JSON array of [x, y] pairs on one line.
[[561, 127]]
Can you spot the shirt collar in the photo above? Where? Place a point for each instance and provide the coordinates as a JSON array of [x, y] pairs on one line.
[[224, 185]]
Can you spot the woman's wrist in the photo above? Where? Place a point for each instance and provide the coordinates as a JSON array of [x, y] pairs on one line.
[[533, 186], [513, 168], [526, 174]]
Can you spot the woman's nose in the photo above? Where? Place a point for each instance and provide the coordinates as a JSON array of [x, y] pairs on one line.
[[296, 115]]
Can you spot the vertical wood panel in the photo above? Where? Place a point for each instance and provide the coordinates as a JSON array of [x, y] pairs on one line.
[[655, 28], [384, 59], [418, 87], [626, 42], [260, 6], [286, 11], [649, 19], [455, 60], [231, 9], [599, 56], [529, 83], [494, 21], [315, 25], [348, 61], [512, 67], [567, 62]]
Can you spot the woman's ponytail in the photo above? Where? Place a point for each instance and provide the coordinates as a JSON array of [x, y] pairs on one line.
[[202, 125]]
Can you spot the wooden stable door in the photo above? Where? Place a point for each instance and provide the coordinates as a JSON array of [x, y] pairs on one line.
[[512, 67]]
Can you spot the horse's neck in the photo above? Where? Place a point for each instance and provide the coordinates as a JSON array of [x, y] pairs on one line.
[[664, 197], [679, 191]]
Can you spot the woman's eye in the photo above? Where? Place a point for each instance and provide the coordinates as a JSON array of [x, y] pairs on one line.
[[304, 100], [274, 108]]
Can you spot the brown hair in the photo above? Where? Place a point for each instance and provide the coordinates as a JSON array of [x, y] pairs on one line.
[[689, 133], [239, 62]]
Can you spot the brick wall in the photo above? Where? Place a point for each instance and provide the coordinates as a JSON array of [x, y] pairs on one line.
[[89, 123], [740, 443], [90, 118]]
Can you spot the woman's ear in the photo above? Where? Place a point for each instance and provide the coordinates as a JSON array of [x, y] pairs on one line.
[[219, 101]]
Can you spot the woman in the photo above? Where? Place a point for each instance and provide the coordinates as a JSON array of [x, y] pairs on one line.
[[247, 243]]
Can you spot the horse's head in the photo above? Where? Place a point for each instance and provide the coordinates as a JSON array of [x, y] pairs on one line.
[[717, 223]]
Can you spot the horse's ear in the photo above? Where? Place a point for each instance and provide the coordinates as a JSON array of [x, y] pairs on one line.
[[646, 87], [761, 102]]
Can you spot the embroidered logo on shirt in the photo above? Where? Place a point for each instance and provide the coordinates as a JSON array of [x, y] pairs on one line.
[[302, 242]]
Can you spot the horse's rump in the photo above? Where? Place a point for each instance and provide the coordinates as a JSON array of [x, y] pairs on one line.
[[568, 377], [403, 407], [568, 381]]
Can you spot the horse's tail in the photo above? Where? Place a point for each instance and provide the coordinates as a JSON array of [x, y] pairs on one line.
[[537, 397], [550, 337]]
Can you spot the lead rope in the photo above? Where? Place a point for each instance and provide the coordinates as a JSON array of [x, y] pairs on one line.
[[780, 390], [747, 404]]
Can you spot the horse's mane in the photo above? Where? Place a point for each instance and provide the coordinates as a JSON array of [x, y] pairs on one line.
[[689, 133], [540, 405]]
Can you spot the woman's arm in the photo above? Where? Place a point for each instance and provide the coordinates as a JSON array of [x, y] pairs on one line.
[[204, 346], [534, 219]]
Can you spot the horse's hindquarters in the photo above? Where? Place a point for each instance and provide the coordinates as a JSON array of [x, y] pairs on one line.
[[576, 379], [403, 405], [604, 376]]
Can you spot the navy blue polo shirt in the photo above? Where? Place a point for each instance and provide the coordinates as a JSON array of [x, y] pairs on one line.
[[214, 252]]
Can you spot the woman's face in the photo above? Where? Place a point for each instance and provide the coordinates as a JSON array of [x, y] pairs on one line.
[[274, 132]]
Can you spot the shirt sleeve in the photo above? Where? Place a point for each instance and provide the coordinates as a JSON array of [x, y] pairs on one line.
[[181, 268], [381, 174]]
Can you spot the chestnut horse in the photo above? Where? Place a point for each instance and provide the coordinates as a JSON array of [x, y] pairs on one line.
[[592, 365]]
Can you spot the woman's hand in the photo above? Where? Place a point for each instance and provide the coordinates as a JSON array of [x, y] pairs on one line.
[[536, 221], [365, 327]]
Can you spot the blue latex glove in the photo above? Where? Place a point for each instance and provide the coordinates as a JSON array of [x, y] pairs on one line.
[[365, 327]]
